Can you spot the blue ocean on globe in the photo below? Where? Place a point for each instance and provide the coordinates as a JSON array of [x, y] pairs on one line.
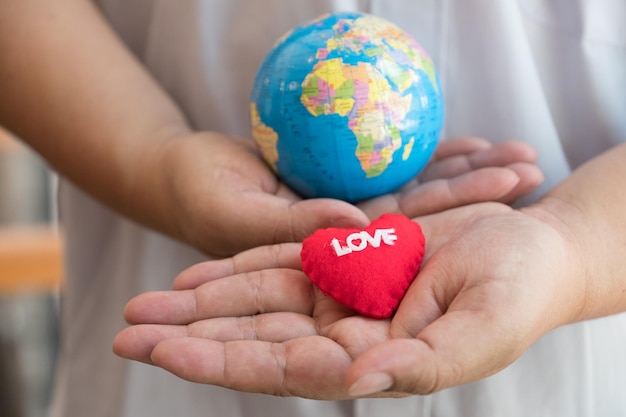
[[347, 106]]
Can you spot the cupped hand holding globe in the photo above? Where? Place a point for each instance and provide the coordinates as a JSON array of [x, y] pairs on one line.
[[240, 203]]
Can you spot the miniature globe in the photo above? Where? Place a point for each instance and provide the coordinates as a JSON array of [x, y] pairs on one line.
[[348, 106]]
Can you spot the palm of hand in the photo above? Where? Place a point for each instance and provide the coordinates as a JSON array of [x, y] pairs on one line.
[[472, 311], [265, 341]]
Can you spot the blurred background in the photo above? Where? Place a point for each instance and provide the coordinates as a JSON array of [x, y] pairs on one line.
[[30, 279]]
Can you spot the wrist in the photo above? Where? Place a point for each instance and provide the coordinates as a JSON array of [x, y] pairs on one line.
[[569, 222], [188, 177], [150, 193]]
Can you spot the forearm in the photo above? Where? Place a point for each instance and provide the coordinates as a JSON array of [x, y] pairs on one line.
[[73, 92], [589, 208]]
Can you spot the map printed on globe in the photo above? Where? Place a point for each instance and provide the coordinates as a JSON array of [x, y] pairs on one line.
[[347, 106]]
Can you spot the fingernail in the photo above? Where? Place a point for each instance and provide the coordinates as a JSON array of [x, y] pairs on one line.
[[371, 384]]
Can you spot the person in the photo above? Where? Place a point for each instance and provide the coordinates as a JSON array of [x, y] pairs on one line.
[[152, 183], [146, 145], [504, 317]]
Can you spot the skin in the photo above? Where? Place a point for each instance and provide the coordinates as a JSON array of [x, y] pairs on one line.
[[123, 140], [493, 281]]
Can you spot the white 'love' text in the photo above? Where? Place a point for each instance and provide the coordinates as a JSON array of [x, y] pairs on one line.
[[356, 242]]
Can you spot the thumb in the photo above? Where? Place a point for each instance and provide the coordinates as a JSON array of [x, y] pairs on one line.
[[262, 219], [306, 216], [456, 349]]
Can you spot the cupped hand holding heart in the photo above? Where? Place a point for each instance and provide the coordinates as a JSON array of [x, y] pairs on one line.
[[253, 322], [368, 270]]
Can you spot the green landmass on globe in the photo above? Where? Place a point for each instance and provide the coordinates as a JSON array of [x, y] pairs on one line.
[[347, 106]]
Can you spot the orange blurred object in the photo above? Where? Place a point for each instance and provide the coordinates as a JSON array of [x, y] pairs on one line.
[[31, 257]]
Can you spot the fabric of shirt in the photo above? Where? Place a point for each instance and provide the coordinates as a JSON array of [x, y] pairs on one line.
[[549, 72]]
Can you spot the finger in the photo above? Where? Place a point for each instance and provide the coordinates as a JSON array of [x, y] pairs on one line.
[[504, 153], [239, 295], [376, 207], [286, 255], [264, 219], [486, 184], [499, 155], [530, 178], [309, 367], [459, 146], [306, 216], [270, 327], [137, 342]]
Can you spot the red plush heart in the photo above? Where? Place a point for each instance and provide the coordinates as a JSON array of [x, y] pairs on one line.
[[367, 270]]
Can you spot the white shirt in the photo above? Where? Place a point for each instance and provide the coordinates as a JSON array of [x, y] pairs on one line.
[[549, 72]]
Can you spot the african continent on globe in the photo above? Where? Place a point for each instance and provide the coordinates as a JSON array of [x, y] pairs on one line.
[[347, 106]]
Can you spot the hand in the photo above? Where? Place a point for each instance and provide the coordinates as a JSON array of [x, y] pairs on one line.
[[494, 280], [228, 200]]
